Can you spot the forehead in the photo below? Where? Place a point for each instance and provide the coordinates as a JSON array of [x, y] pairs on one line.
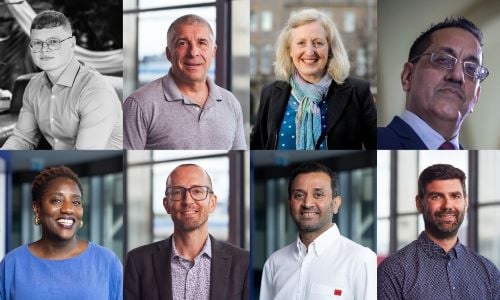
[[198, 30], [63, 185], [461, 41], [45, 33], [309, 30], [311, 180], [444, 186], [188, 175]]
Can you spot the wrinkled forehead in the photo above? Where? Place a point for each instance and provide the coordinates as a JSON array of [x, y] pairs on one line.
[[457, 42]]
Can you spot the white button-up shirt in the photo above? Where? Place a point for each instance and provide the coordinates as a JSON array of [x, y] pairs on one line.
[[333, 267]]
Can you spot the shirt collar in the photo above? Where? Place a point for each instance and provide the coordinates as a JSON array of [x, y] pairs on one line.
[[431, 138], [172, 92], [321, 243], [207, 249], [434, 250], [68, 76]]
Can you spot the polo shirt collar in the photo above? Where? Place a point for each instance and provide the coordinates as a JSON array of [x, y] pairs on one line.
[[172, 92], [68, 76], [322, 243]]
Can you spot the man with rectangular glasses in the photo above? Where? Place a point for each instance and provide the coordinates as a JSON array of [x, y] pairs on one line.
[[69, 103], [442, 83], [190, 264]]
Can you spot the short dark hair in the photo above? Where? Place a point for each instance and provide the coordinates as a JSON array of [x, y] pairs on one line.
[[312, 167], [424, 39], [42, 180], [50, 19], [439, 172]]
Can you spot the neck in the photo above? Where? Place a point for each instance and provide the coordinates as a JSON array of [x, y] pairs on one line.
[[448, 129], [51, 248], [445, 243], [308, 237], [194, 90], [55, 74], [190, 244]]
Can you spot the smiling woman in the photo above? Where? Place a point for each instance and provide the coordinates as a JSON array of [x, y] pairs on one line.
[[59, 265]]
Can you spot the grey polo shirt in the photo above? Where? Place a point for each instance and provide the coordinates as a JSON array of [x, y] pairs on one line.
[[158, 116]]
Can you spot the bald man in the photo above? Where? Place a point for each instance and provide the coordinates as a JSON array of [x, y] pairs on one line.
[[190, 264]]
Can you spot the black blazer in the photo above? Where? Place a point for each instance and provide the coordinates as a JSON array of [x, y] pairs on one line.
[[147, 272], [351, 118]]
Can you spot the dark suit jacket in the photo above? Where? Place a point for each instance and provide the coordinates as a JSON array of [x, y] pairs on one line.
[[148, 276], [351, 119], [399, 135]]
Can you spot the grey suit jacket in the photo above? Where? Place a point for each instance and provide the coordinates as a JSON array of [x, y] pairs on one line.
[[148, 276]]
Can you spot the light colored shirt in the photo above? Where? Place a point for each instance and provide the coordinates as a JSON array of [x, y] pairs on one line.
[[80, 111], [431, 138], [333, 267], [158, 116], [191, 280], [96, 273]]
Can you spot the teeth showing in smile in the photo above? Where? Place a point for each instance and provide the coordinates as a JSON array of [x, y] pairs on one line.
[[66, 222], [308, 214]]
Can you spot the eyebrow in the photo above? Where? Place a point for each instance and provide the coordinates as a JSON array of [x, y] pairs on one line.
[[471, 58]]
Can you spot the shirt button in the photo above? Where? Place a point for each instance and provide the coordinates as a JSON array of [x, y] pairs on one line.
[[51, 119], [52, 96], [56, 140], [453, 287]]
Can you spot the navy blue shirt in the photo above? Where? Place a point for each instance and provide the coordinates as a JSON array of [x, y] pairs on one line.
[[423, 270]]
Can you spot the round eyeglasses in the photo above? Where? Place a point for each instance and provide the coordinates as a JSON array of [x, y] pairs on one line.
[[52, 44], [447, 61], [177, 193]]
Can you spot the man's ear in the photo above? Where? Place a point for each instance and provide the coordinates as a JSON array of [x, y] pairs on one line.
[[73, 42], [406, 76], [165, 205], [337, 201], [418, 203], [168, 54], [212, 203]]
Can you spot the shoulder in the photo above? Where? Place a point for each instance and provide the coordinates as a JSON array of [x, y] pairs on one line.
[[149, 92], [229, 249], [280, 256], [396, 262], [481, 260], [357, 251], [18, 253], [357, 83], [103, 252], [278, 84], [146, 250]]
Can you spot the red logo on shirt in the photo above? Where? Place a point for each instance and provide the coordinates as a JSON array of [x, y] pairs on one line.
[[337, 292]]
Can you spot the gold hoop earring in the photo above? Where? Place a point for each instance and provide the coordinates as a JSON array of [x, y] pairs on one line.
[[37, 221], [81, 224]]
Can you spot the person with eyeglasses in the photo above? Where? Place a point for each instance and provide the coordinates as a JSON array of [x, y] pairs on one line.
[[190, 264], [68, 103], [442, 83]]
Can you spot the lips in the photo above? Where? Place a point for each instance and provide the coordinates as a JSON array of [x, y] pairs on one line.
[[66, 222], [310, 60], [454, 91], [309, 214]]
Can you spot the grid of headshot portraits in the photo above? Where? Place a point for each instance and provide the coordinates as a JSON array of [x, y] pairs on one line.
[[249, 149]]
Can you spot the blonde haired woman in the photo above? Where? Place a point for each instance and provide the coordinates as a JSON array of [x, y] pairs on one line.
[[314, 104]]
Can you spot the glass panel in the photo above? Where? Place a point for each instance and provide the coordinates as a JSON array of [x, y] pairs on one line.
[[489, 163], [383, 182], [138, 156], [129, 4], [163, 3], [489, 239], [406, 180], [129, 54], [152, 40], [458, 159], [218, 222], [407, 230], [138, 205], [383, 237], [176, 154]]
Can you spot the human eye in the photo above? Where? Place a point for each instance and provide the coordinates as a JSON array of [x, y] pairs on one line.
[[298, 195], [36, 43], [434, 196], [77, 203], [181, 43], [444, 59], [319, 194], [198, 191], [471, 68], [53, 42], [318, 44], [55, 201]]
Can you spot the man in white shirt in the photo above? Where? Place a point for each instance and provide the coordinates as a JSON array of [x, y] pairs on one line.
[[321, 264]]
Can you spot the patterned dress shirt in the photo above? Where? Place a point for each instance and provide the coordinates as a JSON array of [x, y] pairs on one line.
[[423, 270]]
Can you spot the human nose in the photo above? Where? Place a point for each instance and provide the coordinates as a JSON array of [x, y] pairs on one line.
[[310, 48], [457, 72], [67, 206], [187, 196], [193, 50], [307, 201]]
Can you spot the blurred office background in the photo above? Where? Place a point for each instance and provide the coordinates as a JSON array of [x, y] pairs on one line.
[[356, 21], [145, 25], [400, 23], [101, 176], [273, 228], [146, 175], [399, 223]]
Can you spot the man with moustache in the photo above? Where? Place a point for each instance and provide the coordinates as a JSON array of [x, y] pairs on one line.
[[185, 109], [442, 83], [437, 265], [321, 264], [69, 103], [190, 264]]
